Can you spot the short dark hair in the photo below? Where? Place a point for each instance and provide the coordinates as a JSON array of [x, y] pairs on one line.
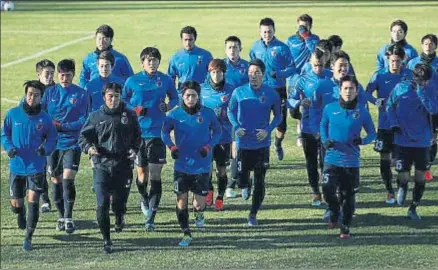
[[432, 38], [216, 64], [395, 49], [34, 84], [46, 63], [233, 39], [105, 30], [259, 63], [108, 56], [189, 30], [191, 84], [66, 65], [400, 23], [335, 40], [151, 52], [112, 86], [318, 54], [349, 78], [305, 18], [340, 54], [325, 45], [267, 22], [422, 71]]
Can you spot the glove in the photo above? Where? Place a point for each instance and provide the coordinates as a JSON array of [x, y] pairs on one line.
[[273, 74], [328, 144], [131, 154], [357, 141], [140, 111], [174, 152], [304, 33], [57, 125], [306, 103], [12, 152], [218, 111], [164, 107], [41, 151], [204, 151], [396, 129], [295, 113]]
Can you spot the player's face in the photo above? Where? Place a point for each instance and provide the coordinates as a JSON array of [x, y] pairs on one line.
[[267, 33], [217, 76], [46, 76], [340, 68], [65, 78], [102, 42], [348, 91], [190, 98], [151, 64], [188, 41], [317, 66], [306, 24], [33, 97], [112, 99], [428, 46], [255, 75], [397, 33], [395, 63], [232, 50], [104, 67]]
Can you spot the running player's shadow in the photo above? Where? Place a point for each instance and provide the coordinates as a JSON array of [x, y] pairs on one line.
[[373, 219], [381, 204]]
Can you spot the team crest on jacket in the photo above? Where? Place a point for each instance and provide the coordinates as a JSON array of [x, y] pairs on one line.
[[159, 83], [73, 100], [124, 118], [274, 52], [224, 99], [262, 99], [356, 115], [200, 119], [39, 126], [199, 60]]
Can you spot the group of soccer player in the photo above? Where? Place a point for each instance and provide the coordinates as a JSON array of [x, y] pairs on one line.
[[207, 109]]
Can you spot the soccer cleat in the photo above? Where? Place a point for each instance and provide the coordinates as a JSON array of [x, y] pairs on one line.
[[150, 226], [316, 200], [21, 220], [280, 153], [185, 241], [390, 198], [108, 246], [27, 244], [345, 232], [69, 226], [120, 224], [401, 196], [412, 214], [199, 220], [45, 207], [428, 175], [60, 224], [219, 204], [229, 192], [299, 142], [252, 220], [245, 194], [144, 208], [209, 198]]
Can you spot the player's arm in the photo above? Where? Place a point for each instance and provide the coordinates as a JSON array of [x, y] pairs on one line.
[[216, 131], [380, 61], [136, 132], [428, 98], [371, 87], [232, 111], [7, 133], [126, 69], [369, 129], [127, 94], [391, 108], [84, 111], [172, 70], [276, 110], [172, 95], [295, 94], [88, 136], [252, 54], [288, 63], [324, 126], [315, 111], [51, 138], [84, 77], [311, 43], [168, 126]]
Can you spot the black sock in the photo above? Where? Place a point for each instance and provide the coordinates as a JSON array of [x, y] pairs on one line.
[[45, 194], [69, 189], [142, 189], [259, 192], [221, 184], [278, 141], [233, 171], [403, 185], [433, 151], [154, 197], [417, 192], [183, 220], [33, 215], [386, 173], [103, 219], [58, 198]]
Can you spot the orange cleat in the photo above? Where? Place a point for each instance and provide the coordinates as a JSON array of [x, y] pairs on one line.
[[219, 204], [209, 198], [428, 175]]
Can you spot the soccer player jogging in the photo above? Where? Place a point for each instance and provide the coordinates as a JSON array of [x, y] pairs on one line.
[[111, 137], [145, 93], [249, 112], [190, 62], [409, 107], [279, 65], [28, 136], [121, 67], [68, 105], [215, 94], [326, 47], [383, 82], [337, 43], [45, 70], [340, 129], [236, 75], [196, 131], [398, 31]]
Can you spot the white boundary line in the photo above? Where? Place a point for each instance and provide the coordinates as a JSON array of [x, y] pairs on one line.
[[38, 54]]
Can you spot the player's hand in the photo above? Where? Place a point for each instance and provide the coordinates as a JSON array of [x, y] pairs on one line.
[[261, 134], [328, 144], [164, 107], [304, 33], [306, 103], [57, 125], [12, 152], [174, 152], [92, 151], [240, 132], [357, 141], [317, 136], [273, 74], [396, 129], [380, 103], [41, 151], [131, 154], [204, 151], [140, 111]]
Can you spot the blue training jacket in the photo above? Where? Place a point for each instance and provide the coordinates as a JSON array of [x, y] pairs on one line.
[[417, 60], [301, 49], [95, 87], [382, 60], [237, 73]]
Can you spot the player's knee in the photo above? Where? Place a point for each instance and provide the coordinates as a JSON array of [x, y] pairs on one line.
[[69, 174]]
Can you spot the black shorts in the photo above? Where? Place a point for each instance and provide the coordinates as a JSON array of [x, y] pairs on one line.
[[153, 151], [63, 159], [222, 154], [282, 127], [384, 141], [18, 184], [196, 183], [406, 156], [434, 122], [249, 159]]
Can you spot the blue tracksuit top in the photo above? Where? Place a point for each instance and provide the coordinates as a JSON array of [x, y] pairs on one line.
[[26, 133], [383, 82], [189, 65], [89, 71], [191, 133], [326, 93], [95, 87], [70, 106], [409, 108], [251, 109], [301, 49], [149, 91], [304, 87], [382, 60], [343, 126], [218, 100], [237, 73], [417, 60], [277, 57]]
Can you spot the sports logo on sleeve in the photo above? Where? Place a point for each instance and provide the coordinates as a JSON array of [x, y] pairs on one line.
[[124, 118], [200, 119]]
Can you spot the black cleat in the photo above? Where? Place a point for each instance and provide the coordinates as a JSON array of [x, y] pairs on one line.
[[108, 247]]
